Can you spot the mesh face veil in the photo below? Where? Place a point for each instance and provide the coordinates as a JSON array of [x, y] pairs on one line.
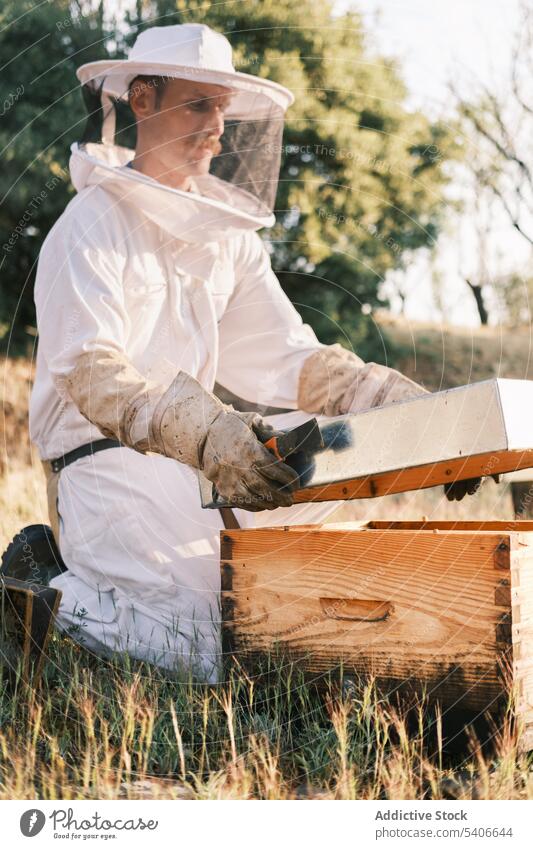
[[244, 171], [249, 160]]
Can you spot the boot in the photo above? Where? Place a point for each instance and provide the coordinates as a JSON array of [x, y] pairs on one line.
[[33, 556]]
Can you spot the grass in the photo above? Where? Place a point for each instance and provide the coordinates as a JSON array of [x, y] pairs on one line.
[[122, 729]]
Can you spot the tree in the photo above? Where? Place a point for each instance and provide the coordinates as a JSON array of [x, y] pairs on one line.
[[497, 126]]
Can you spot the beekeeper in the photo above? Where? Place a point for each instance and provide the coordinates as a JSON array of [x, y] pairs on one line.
[[152, 285]]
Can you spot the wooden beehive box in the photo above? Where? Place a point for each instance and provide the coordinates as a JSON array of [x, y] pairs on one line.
[[446, 607]]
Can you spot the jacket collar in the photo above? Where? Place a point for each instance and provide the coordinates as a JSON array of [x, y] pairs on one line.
[[216, 212]]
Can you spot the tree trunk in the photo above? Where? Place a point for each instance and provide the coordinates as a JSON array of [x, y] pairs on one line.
[[480, 302]]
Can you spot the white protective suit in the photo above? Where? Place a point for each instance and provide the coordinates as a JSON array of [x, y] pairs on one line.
[[173, 282]]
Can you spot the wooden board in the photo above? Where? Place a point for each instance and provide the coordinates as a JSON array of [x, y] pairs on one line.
[[445, 525], [471, 431], [418, 477]]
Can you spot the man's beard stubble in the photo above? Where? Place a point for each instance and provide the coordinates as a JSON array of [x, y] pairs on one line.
[[213, 142]]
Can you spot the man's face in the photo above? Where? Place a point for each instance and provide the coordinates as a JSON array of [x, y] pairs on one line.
[[181, 132]]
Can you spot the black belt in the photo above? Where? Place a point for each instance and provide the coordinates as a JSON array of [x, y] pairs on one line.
[[83, 451]]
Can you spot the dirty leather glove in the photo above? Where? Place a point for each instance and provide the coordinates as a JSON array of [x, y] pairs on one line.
[[456, 490], [336, 382], [185, 422]]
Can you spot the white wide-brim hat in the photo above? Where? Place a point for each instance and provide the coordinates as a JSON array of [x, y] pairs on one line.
[[186, 51], [239, 192]]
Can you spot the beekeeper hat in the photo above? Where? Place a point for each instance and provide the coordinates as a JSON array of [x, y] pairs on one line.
[[185, 51], [251, 144]]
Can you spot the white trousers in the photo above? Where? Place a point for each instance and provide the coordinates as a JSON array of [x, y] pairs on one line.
[[143, 557]]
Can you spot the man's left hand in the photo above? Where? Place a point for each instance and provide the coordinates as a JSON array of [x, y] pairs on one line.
[[456, 490]]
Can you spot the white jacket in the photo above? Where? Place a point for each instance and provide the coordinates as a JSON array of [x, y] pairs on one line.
[[124, 268]]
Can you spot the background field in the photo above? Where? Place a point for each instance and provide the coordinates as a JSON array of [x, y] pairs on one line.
[[392, 198], [124, 730]]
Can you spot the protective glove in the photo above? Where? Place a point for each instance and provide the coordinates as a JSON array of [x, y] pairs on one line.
[[335, 382], [456, 490], [242, 469], [185, 422]]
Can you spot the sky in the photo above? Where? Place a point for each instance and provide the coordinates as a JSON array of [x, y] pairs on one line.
[[437, 41]]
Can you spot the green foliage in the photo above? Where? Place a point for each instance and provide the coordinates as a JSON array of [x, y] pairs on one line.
[[42, 114], [514, 293], [361, 177]]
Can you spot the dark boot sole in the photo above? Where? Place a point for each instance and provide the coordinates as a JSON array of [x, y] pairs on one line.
[[33, 556]]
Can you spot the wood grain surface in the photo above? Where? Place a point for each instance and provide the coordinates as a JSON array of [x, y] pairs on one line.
[[419, 477], [430, 606]]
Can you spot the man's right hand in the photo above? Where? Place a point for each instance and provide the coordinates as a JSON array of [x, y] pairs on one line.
[[185, 422], [244, 472]]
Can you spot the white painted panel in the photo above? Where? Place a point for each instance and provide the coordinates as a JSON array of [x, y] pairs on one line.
[[441, 426], [516, 398]]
